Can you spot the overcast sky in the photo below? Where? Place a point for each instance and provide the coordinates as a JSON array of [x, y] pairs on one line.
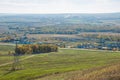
[[59, 6]]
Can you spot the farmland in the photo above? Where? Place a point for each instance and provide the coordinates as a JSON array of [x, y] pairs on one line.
[[86, 46], [88, 31], [64, 62]]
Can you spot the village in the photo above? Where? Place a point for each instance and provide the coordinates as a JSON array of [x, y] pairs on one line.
[[64, 42]]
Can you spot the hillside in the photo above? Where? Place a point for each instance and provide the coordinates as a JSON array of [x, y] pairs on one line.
[[109, 72], [105, 73], [66, 60]]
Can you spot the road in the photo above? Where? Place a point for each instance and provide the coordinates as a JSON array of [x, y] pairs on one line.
[[90, 49], [20, 60], [7, 44]]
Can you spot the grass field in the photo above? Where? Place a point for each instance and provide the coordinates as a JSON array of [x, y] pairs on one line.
[[39, 36], [64, 62], [4, 49], [111, 72]]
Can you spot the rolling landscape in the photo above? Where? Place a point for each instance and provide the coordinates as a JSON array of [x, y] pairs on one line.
[[59, 40], [86, 51], [66, 64]]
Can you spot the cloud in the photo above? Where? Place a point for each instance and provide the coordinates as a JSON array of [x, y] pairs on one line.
[[59, 6]]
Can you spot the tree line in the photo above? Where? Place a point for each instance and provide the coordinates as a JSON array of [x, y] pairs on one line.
[[36, 48]]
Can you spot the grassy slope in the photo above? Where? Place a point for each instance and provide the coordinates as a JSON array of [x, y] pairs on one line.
[[106, 73], [63, 61], [4, 49]]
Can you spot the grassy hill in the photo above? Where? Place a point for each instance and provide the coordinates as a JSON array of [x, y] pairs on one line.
[[108, 72], [63, 62], [105, 73]]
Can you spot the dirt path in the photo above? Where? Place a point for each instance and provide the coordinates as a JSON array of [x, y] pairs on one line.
[[7, 44], [20, 60]]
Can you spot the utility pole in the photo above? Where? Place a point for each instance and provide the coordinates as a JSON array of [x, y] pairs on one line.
[[16, 61]]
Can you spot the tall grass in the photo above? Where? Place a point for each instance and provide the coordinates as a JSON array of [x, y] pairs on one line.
[[104, 73]]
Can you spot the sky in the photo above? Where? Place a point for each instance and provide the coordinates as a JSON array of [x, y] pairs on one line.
[[59, 6]]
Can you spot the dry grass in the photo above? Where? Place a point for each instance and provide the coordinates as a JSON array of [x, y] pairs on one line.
[[109, 72], [50, 35], [100, 33], [104, 73]]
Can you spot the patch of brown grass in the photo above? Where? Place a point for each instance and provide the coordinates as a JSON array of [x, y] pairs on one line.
[[104, 73]]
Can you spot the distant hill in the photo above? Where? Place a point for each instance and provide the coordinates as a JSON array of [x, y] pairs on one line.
[[103, 22], [38, 17]]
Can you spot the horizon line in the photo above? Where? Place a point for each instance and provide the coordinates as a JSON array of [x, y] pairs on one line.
[[65, 13]]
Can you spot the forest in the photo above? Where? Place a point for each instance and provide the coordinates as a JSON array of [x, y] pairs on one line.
[[60, 23], [35, 49]]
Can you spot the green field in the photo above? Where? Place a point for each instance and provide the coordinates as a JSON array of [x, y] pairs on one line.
[[4, 49], [39, 66]]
